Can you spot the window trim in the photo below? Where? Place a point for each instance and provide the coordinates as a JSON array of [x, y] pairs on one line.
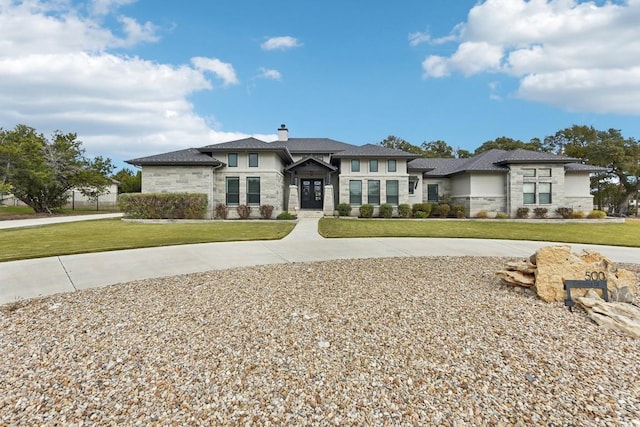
[[395, 165], [229, 163], [257, 157], [227, 193], [540, 175], [369, 194], [397, 191], [528, 172], [540, 193], [352, 196], [525, 193], [258, 193], [356, 163], [429, 186], [373, 162]]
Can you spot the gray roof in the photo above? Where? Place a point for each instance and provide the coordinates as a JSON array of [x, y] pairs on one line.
[[248, 144], [372, 150], [313, 145], [491, 161], [581, 167], [190, 156]]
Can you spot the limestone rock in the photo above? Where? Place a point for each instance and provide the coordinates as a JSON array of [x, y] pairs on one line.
[[517, 278], [554, 264], [614, 315]]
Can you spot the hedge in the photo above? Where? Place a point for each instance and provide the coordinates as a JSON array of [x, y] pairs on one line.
[[163, 205]]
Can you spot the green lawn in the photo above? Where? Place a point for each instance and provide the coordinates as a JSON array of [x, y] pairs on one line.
[[25, 212], [605, 233], [115, 234]]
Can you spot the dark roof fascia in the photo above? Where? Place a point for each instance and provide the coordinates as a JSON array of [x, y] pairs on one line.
[[283, 152], [313, 159], [534, 162], [175, 163]]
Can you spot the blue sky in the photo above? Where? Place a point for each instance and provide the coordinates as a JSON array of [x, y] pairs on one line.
[[136, 78]]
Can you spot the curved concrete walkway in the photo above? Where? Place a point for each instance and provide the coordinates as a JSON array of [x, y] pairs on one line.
[[46, 276]]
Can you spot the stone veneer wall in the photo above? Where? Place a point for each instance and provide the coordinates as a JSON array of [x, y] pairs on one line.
[[517, 181], [271, 191], [179, 179]]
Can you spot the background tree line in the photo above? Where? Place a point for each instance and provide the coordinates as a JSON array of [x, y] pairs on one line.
[[614, 188]]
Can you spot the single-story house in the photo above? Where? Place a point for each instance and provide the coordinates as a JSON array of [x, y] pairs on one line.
[[317, 174]]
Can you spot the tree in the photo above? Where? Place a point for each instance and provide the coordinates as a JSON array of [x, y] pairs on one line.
[[42, 171], [129, 182], [621, 157], [400, 144], [461, 153], [437, 149], [505, 143]]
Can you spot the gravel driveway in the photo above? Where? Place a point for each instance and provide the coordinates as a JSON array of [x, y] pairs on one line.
[[403, 341]]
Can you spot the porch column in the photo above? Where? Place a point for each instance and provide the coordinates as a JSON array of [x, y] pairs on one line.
[[293, 205], [328, 204]]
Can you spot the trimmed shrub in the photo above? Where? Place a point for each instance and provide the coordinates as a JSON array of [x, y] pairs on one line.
[[577, 215], [284, 216], [266, 211], [444, 210], [404, 210], [421, 207], [596, 214], [163, 205], [366, 211], [243, 211], [540, 212], [222, 211], [482, 214], [420, 214], [565, 213], [344, 209], [501, 215], [522, 213], [386, 210], [459, 211]]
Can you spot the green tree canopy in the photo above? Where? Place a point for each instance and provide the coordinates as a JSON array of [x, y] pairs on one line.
[[400, 144], [41, 171], [130, 182], [437, 149], [506, 143]]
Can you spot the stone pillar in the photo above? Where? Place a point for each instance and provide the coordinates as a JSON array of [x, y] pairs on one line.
[[328, 204], [293, 204]]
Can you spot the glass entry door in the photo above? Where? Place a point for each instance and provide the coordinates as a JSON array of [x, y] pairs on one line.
[[312, 193]]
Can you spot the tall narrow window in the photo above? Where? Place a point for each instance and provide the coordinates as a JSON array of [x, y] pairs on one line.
[[355, 165], [253, 191], [355, 192], [253, 160], [432, 192], [413, 183], [232, 160], [391, 165], [392, 192], [232, 195], [529, 193], [373, 192], [544, 193], [373, 165]]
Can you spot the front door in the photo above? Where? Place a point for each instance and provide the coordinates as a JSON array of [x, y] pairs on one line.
[[312, 194]]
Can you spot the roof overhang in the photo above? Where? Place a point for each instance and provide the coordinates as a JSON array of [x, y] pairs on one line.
[[306, 161]]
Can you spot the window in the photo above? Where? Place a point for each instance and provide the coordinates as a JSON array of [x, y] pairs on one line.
[[529, 193], [544, 193], [391, 166], [432, 192], [355, 192], [373, 192], [232, 195], [253, 160], [373, 166], [546, 173], [528, 172], [232, 160], [413, 183], [355, 165], [392, 192], [253, 191]]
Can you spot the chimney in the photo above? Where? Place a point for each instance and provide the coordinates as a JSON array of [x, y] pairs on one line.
[[283, 133]]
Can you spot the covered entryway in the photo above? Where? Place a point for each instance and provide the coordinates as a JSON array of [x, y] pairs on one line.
[[312, 193]]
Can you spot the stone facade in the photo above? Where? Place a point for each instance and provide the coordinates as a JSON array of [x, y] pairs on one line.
[[180, 179]]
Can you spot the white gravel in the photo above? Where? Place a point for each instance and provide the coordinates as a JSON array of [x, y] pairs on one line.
[[403, 341]]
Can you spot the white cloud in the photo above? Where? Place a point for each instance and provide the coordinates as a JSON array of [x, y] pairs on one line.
[[266, 73], [221, 69], [282, 43], [56, 72], [579, 55], [418, 38]]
